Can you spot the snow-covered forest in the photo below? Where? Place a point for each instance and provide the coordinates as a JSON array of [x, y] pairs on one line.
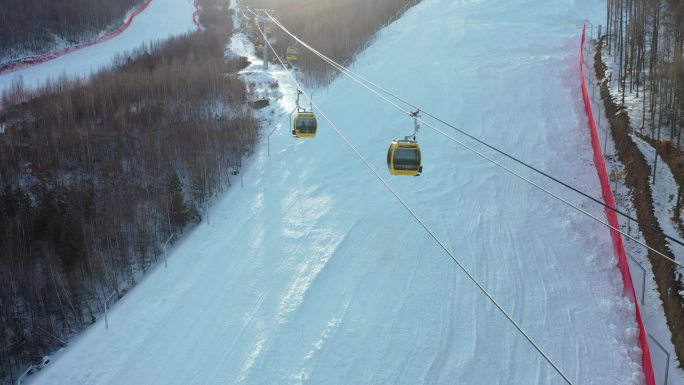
[[30, 27]]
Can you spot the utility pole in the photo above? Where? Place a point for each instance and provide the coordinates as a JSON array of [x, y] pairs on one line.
[[165, 246], [105, 308], [265, 66]]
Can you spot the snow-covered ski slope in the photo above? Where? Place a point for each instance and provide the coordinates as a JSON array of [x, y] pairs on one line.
[[313, 273], [161, 20]]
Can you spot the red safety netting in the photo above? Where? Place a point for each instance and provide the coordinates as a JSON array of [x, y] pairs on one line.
[[27, 62], [611, 215]]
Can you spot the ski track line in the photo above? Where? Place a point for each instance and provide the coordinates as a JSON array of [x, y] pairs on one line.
[[245, 323], [328, 334], [446, 340], [403, 308]]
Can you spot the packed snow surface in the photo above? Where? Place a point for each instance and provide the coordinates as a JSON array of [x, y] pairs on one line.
[[162, 19], [314, 273]]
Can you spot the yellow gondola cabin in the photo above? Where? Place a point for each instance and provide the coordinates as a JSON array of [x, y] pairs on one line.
[[292, 54], [305, 125], [403, 158]]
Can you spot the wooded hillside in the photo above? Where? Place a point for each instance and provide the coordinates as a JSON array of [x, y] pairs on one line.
[[339, 29], [37, 25], [646, 37], [643, 41]]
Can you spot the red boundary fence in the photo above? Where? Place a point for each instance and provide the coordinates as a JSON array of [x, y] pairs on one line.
[[27, 62], [611, 215]]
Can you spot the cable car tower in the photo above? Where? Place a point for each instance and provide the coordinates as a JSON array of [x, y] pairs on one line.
[[403, 156], [262, 41], [305, 123]]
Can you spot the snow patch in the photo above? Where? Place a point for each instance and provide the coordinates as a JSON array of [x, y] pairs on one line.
[[312, 260]]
